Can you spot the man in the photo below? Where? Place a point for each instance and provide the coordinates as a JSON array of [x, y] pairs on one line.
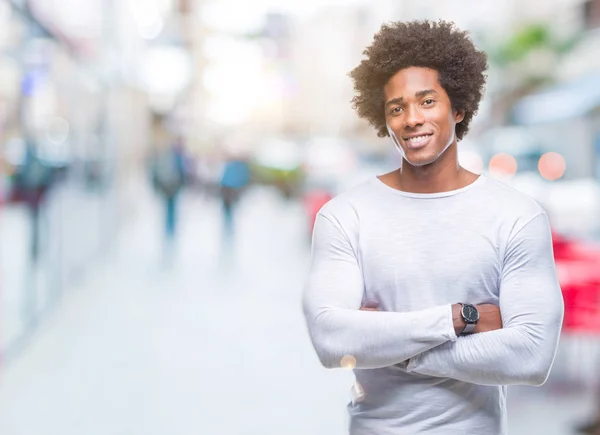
[[168, 178], [459, 267], [235, 178]]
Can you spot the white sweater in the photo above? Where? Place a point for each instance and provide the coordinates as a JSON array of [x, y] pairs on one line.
[[415, 255]]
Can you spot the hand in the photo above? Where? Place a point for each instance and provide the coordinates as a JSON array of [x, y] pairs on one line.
[[490, 318], [370, 306]]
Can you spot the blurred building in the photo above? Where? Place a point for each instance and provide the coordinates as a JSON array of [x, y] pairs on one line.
[[79, 87], [84, 84]]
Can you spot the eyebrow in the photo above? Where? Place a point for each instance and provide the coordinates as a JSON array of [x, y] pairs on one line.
[[400, 100]]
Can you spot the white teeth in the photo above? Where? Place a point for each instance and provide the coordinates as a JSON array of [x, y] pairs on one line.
[[418, 138]]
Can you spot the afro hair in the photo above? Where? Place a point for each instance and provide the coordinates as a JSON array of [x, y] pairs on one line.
[[436, 45]]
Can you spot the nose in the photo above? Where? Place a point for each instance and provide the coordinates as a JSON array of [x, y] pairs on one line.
[[413, 117]]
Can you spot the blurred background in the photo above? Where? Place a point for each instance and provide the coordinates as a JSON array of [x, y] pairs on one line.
[[161, 165]]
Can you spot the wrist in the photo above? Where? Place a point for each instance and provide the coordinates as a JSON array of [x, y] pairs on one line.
[[457, 319], [482, 316]]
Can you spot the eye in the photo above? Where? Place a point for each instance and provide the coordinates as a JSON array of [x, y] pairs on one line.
[[428, 102], [396, 110]]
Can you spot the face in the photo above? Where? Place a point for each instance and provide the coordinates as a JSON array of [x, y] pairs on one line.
[[419, 115]]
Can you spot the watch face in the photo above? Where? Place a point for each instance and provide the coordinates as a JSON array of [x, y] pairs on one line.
[[470, 313]]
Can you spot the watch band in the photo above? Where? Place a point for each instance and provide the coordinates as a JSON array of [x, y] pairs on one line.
[[469, 328]]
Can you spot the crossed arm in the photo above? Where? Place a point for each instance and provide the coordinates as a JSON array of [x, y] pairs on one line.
[[521, 352]]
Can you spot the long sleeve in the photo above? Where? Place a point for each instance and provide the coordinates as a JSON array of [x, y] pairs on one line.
[[531, 305], [339, 331]]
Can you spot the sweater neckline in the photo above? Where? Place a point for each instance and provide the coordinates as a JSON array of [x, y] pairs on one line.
[[381, 184]]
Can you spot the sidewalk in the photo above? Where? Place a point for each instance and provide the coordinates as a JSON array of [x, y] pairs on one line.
[[210, 346], [70, 227]]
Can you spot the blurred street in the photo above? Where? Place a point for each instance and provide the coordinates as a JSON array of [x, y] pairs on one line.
[[211, 343], [162, 163]]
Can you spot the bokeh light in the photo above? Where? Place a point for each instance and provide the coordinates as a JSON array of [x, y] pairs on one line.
[[552, 166], [348, 362], [471, 161], [57, 130], [503, 165]]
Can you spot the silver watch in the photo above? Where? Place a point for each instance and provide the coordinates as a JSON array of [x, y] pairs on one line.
[[470, 315]]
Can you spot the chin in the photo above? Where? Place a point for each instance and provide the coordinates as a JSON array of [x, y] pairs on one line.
[[420, 160]]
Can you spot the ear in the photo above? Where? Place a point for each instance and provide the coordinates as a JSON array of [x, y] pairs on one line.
[[459, 115]]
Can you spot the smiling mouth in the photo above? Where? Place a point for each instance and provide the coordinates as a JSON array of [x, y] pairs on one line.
[[417, 141]]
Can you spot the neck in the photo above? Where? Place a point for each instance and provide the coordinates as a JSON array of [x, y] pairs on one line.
[[443, 175]]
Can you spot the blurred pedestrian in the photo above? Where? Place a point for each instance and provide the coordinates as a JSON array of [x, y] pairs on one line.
[[168, 178], [592, 426], [314, 199], [32, 181], [235, 178]]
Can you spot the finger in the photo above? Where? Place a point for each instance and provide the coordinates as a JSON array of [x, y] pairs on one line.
[[371, 305], [368, 309]]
